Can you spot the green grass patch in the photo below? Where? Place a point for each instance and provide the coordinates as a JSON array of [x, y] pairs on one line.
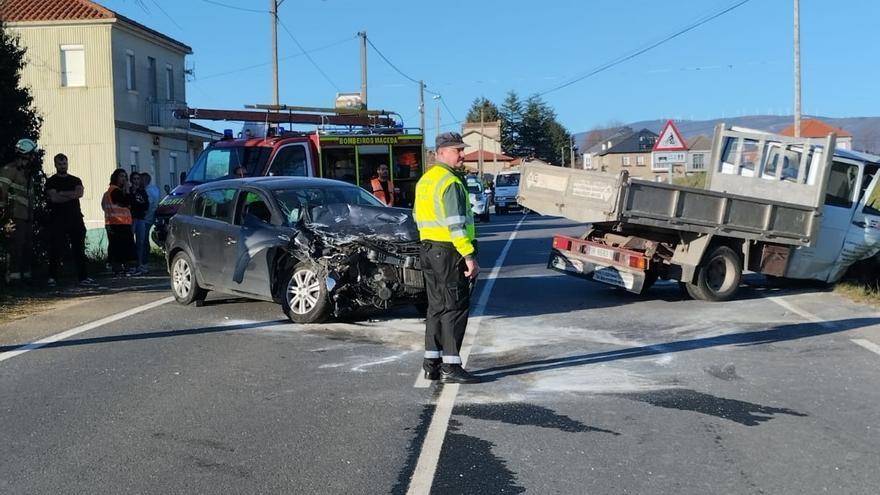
[[860, 292], [697, 180]]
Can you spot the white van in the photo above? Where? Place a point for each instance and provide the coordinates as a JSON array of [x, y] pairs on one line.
[[506, 189]]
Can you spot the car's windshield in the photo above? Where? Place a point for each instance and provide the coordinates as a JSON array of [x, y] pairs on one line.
[[507, 180], [294, 201], [222, 163], [474, 187]]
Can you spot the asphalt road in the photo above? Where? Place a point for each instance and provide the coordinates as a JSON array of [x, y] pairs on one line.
[[589, 390]]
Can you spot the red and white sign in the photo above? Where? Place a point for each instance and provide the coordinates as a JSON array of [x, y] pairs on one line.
[[670, 139]]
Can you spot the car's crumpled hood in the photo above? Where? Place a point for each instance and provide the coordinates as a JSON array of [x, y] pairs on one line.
[[361, 221]]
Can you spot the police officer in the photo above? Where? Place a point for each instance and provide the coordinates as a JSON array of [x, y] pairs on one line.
[[17, 205], [448, 259]]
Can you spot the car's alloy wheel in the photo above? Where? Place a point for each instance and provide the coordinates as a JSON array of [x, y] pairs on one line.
[[184, 283], [305, 295], [303, 291]]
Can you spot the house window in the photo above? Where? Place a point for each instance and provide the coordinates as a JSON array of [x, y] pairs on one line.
[[153, 79], [172, 168], [73, 66], [640, 160], [130, 77], [699, 163], [169, 83], [626, 161], [134, 158]]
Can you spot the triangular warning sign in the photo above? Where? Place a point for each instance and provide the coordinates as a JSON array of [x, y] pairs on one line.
[[670, 139]]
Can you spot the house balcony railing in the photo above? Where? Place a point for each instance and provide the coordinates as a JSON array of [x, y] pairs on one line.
[[161, 114]]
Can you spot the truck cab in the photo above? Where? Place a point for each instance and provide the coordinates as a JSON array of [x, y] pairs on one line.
[[506, 189]]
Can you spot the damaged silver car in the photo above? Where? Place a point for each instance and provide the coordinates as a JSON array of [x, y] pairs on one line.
[[318, 247]]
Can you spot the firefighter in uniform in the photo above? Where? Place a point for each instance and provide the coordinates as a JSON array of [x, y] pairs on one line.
[[382, 186], [17, 210], [448, 259]]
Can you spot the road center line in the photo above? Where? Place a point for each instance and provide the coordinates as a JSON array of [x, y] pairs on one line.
[[429, 457], [82, 328]]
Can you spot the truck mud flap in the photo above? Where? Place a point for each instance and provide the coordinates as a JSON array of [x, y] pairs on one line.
[[597, 272]]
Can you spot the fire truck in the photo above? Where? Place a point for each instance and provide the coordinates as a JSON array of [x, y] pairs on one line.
[[343, 146]]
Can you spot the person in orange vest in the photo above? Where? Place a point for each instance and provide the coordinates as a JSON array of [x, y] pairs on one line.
[[116, 204], [382, 186]]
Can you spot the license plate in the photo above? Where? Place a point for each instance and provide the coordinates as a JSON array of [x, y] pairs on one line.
[[600, 252], [501, 203], [612, 276]]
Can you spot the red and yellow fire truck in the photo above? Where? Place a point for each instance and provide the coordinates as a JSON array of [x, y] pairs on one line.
[[343, 146]]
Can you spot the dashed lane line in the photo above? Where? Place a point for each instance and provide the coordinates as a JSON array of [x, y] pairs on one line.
[[82, 328], [429, 457]]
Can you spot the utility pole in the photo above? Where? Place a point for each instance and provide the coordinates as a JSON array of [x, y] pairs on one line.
[[562, 155], [482, 130], [274, 11], [797, 68], [422, 120], [363, 35], [437, 128], [571, 147]]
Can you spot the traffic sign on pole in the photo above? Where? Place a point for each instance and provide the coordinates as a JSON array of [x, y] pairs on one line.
[[670, 139]]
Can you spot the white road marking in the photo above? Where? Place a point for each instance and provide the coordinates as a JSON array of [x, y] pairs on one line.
[[867, 344], [360, 368], [82, 328], [803, 313], [429, 457]]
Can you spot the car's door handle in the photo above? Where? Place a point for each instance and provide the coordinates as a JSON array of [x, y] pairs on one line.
[[284, 237], [231, 240], [195, 232]]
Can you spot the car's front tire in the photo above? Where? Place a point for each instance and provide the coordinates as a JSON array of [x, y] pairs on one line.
[[305, 298], [184, 283]]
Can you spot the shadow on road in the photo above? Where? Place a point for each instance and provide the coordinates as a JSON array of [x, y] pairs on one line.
[[150, 335], [779, 333]]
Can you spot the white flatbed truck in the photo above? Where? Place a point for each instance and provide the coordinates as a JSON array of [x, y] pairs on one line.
[[773, 204]]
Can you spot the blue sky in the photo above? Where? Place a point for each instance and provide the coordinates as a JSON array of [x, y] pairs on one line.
[[737, 64]]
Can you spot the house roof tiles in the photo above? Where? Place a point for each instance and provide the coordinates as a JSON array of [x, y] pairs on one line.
[[814, 128], [488, 156], [69, 10]]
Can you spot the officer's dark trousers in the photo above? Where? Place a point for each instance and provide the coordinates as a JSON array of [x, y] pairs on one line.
[[448, 300], [63, 234]]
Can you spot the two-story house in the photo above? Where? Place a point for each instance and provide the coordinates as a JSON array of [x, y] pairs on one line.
[[699, 149], [625, 150], [814, 128], [105, 86]]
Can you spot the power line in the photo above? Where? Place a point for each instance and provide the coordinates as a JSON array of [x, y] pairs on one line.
[[233, 7], [168, 16], [254, 66], [308, 56], [624, 58]]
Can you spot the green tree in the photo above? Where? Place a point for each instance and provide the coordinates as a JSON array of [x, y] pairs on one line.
[[542, 135], [490, 111], [18, 117], [511, 123]]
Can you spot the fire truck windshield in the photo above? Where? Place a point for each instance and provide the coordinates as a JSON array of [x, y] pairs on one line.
[[228, 162]]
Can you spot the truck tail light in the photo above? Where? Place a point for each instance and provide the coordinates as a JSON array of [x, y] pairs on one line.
[[561, 243], [637, 262]]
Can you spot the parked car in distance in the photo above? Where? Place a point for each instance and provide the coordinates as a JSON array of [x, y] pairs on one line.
[[478, 198], [316, 246]]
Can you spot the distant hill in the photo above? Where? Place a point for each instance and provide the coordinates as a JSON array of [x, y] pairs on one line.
[[865, 130]]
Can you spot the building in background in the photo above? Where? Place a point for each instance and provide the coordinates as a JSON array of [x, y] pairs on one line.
[[106, 87], [814, 128], [624, 150], [699, 150]]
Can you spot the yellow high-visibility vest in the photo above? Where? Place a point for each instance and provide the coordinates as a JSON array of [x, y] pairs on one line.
[[439, 221]]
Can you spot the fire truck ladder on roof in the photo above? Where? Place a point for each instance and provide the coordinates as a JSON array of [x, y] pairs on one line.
[[283, 114]]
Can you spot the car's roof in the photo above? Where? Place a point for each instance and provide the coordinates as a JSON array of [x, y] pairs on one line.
[[273, 183]]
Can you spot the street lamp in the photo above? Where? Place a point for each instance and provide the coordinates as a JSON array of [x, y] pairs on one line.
[[437, 128]]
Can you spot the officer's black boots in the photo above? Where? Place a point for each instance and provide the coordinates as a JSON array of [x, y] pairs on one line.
[[454, 373], [432, 368]]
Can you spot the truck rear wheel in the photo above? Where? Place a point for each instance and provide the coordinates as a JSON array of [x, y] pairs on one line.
[[718, 277]]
